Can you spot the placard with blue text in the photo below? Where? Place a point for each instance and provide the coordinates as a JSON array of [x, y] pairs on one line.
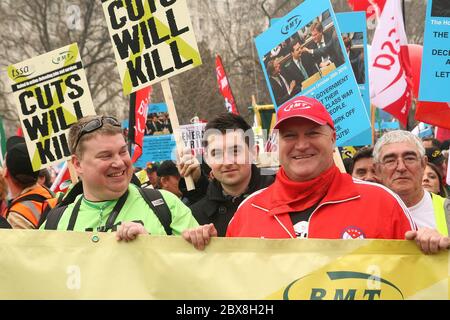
[[303, 54], [435, 74]]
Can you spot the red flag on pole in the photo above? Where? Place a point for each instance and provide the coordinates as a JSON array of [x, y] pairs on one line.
[[224, 87], [140, 111], [389, 68]]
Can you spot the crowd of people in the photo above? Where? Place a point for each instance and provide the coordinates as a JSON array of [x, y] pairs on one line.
[[395, 190]]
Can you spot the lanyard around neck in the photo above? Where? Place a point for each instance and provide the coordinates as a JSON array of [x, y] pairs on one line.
[[111, 218]]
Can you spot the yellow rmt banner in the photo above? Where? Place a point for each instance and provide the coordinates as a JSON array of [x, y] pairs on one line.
[[70, 265]]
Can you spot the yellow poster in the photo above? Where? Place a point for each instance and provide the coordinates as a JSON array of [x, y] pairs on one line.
[[72, 265], [152, 40], [51, 93]]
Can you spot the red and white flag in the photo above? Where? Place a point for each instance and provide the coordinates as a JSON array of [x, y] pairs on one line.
[[224, 87], [389, 67], [140, 117], [62, 180]]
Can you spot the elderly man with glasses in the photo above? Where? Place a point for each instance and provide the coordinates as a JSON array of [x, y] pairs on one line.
[[400, 162], [109, 202]]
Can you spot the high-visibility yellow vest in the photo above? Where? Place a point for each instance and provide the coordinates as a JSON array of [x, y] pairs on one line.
[[441, 208]]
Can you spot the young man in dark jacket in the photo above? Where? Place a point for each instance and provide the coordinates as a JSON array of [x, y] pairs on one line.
[[229, 152]]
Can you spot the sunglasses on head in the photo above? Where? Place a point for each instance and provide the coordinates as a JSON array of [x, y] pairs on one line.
[[93, 125]]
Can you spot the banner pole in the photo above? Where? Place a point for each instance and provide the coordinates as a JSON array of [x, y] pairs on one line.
[[175, 126], [338, 160]]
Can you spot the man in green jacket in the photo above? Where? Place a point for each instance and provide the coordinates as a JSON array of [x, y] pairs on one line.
[[109, 202]]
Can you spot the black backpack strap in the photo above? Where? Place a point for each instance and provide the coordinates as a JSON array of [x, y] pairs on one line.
[[53, 217], [159, 206]]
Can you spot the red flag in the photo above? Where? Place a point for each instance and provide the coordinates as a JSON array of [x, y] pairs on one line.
[[62, 180], [224, 87], [140, 111], [389, 68], [442, 134], [371, 7]]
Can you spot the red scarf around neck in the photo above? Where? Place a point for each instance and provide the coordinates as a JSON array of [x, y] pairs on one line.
[[293, 196]]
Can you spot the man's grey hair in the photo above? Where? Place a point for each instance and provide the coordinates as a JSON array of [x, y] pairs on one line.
[[394, 137]]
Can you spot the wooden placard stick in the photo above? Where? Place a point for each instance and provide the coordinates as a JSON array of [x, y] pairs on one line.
[[338, 160], [175, 126], [73, 172]]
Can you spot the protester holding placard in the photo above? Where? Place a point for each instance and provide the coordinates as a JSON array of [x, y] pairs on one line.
[[229, 151], [310, 198]]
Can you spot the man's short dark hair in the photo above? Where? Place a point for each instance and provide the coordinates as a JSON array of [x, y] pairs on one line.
[[227, 121], [167, 168], [293, 43], [363, 153]]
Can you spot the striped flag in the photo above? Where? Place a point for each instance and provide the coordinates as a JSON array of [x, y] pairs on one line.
[[389, 67]]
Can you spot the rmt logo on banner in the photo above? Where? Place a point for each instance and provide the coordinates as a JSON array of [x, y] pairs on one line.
[[146, 35]]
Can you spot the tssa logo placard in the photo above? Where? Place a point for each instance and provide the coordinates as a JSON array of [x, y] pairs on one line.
[[22, 72], [50, 101]]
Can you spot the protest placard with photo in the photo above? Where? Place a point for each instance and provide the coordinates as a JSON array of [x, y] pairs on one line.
[[159, 143], [435, 74], [302, 54], [152, 40], [51, 92], [354, 36]]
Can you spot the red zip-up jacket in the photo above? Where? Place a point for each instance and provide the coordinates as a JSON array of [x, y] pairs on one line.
[[351, 209]]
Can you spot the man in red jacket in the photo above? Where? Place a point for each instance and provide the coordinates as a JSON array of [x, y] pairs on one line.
[[310, 198]]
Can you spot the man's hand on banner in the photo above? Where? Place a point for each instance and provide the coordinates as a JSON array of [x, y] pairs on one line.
[[189, 165], [429, 240], [128, 231], [200, 236]]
